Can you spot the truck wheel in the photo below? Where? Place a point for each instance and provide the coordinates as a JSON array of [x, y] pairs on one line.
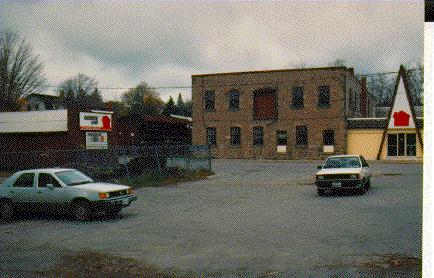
[[81, 211], [6, 211]]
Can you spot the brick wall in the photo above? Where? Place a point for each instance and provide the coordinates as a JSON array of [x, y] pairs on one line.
[[316, 119]]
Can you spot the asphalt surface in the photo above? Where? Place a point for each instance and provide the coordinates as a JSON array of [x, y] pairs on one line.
[[251, 218]]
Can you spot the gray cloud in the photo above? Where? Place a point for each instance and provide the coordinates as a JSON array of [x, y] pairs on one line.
[[163, 43]]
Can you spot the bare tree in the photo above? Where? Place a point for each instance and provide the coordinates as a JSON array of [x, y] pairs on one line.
[[381, 86], [415, 76], [80, 91], [338, 63], [21, 72], [142, 100]]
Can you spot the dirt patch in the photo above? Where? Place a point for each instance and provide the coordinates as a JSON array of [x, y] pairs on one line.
[[394, 261], [95, 264], [384, 265]]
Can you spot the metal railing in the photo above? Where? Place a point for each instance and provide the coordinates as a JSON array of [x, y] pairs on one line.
[[125, 160]]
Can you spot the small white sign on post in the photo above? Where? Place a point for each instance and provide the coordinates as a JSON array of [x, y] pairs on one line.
[[96, 140], [281, 149]]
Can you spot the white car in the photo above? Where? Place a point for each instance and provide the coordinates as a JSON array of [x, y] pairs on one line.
[[343, 172], [61, 190]]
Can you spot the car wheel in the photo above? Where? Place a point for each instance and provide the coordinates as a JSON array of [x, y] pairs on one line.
[[81, 211], [6, 211], [368, 184], [321, 192], [113, 211]]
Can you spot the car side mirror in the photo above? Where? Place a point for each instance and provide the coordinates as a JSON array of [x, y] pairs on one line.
[[319, 167], [50, 185]]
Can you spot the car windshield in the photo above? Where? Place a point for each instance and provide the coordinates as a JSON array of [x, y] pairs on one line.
[[73, 177], [342, 162]]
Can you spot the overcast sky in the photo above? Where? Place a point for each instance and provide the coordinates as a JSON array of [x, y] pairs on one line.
[[164, 43]]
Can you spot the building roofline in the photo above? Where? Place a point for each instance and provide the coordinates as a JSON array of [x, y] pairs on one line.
[[42, 95], [270, 71], [367, 119]]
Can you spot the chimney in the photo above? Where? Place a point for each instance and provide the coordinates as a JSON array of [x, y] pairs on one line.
[[109, 105], [363, 97]]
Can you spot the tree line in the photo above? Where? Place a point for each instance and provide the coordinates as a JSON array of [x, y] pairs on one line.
[[21, 74], [382, 86]]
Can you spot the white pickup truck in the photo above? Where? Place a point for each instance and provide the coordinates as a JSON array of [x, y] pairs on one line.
[[343, 172], [61, 190]]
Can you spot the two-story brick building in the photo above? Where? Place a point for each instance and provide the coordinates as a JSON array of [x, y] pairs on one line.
[[288, 114]]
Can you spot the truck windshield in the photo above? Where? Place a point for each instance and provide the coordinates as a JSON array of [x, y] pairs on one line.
[[73, 177], [342, 162]]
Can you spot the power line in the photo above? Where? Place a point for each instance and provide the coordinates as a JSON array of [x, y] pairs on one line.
[[229, 85], [385, 73]]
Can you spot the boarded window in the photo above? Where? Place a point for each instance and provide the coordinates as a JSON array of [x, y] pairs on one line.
[[234, 100], [324, 96], [235, 136], [297, 97], [265, 104], [301, 135], [258, 136], [328, 137], [209, 100], [211, 136]]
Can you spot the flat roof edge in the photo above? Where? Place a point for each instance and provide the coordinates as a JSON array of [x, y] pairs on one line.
[[267, 71]]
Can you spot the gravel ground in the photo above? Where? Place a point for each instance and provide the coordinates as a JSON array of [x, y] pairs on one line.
[[251, 219]]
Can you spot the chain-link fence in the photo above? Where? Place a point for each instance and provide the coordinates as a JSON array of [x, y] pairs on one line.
[[120, 161]]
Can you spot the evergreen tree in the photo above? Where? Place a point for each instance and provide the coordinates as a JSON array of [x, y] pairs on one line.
[[180, 106], [169, 107]]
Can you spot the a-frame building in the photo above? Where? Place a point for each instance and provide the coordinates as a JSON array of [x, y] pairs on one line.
[[397, 136]]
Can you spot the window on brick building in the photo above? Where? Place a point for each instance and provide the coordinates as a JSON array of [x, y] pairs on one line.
[[209, 100], [357, 102], [211, 136], [297, 97], [281, 138], [235, 136], [351, 103], [324, 96], [328, 137], [258, 136], [301, 136], [234, 100]]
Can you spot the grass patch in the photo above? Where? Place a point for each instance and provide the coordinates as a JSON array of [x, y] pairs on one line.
[[169, 176]]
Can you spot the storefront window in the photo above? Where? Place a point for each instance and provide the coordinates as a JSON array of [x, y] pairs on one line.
[[401, 144], [411, 144], [392, 143]]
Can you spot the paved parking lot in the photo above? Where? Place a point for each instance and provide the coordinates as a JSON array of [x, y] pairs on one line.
[[249, 219]]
